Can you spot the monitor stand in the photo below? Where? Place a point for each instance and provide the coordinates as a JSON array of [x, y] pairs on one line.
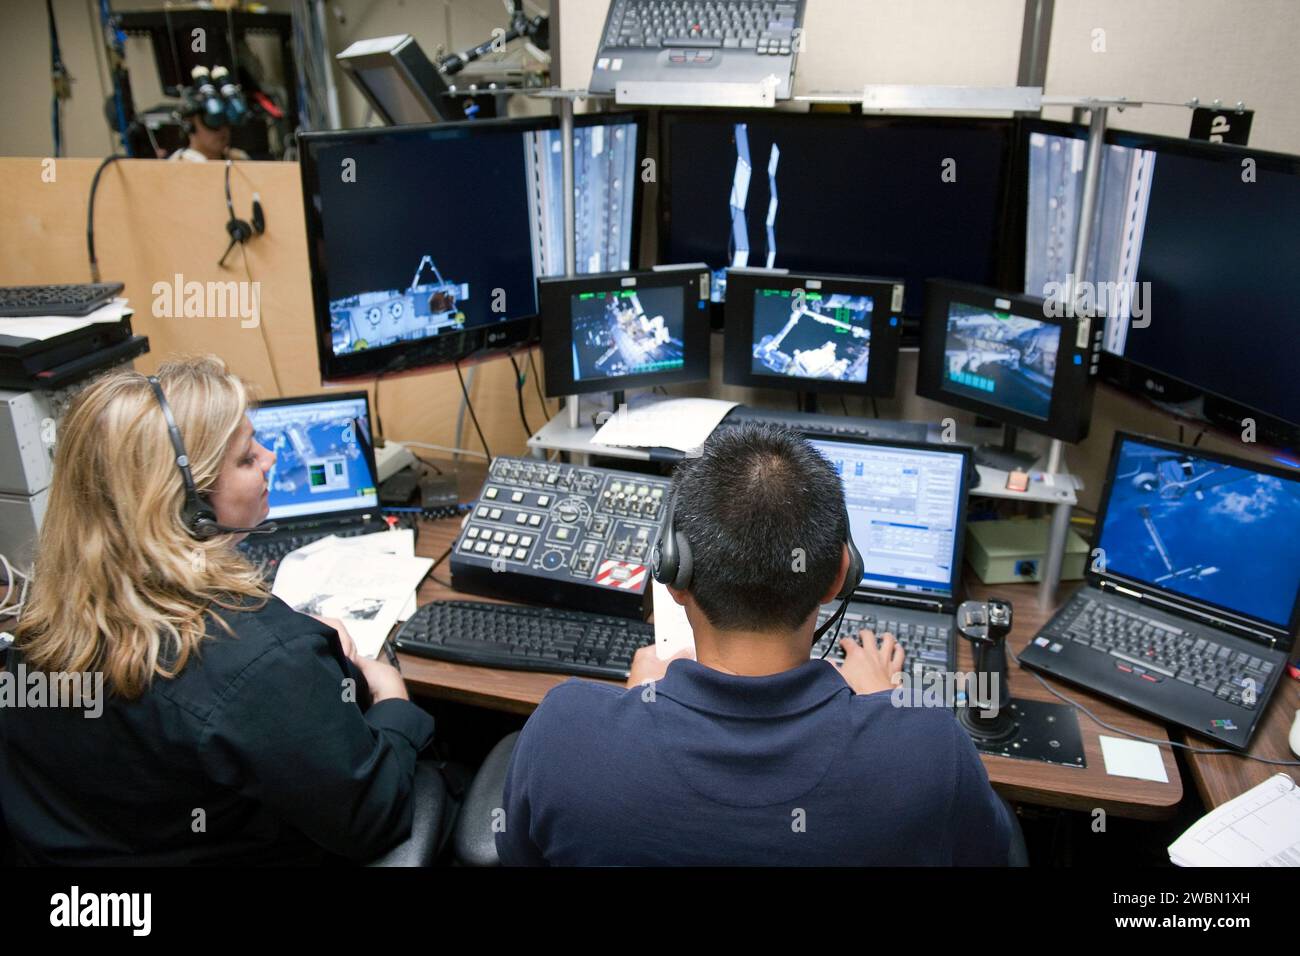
[[1005, 457]]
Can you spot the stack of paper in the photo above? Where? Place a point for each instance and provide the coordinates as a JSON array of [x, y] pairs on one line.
[[42, 328], [1259, 828], [368, 582], [680, 423]]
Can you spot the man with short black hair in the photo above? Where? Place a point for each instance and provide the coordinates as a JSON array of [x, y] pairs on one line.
[[752, 753]]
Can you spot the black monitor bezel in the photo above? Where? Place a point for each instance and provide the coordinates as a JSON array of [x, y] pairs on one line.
[[556, 327], [875, 593], [738, 331], [1098, 575], [450, 347], [367, 445], [1070, 413], [668, 118]]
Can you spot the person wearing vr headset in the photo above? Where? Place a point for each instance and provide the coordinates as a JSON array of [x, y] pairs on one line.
[[751, 754], [207, 112], [224, 727]]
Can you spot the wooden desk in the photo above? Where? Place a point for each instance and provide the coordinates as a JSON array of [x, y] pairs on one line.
[[1220, 777], [1028, 781]]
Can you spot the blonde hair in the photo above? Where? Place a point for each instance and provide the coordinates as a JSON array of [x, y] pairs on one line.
[[120, 585]]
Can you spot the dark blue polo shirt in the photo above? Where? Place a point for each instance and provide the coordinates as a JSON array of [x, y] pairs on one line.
[[712, 769]]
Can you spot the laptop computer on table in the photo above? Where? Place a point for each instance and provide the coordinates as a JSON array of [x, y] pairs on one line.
[[907, 514], [1192, 595], [323, 481]]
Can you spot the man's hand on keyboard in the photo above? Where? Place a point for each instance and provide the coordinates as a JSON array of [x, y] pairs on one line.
[[867, 668]]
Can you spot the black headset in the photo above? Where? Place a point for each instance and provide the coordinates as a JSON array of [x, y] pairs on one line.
[[240, 230], [199, 518], [671, 563]]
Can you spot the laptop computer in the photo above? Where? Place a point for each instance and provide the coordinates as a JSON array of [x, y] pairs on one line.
[[694, 41], [323, 481], [1192, 594], [907, 513]]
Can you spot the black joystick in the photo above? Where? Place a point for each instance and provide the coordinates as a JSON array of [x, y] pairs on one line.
[[987, 716]]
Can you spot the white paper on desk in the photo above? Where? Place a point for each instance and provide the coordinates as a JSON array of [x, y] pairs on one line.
[[1261, 827], [355, 580], [673, 632], [1133, 758], [45, 327], [680, 423]]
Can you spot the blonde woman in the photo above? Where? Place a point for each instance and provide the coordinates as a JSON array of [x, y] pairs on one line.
[[229, 728]]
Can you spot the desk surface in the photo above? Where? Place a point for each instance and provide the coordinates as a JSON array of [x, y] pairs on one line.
[[1072, 788]]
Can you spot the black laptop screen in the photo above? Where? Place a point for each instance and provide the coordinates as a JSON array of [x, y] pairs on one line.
[[322, 466], [1224, 534]]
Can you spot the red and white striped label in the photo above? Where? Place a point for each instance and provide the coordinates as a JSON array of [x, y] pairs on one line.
[[621, 574]]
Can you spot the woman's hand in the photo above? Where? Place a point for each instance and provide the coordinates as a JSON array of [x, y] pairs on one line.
[[349, 646], [384, 679]]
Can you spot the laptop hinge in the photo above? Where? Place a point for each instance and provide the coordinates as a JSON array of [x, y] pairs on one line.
[[911, 603]]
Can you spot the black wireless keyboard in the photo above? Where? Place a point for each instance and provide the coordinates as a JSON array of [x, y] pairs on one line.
[[75, 300], [525, 638]]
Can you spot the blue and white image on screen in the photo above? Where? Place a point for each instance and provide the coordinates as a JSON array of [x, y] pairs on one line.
[[321, 464], [627, 332], [1006, 360], [807, 334], [903, 505], [1214, 532]]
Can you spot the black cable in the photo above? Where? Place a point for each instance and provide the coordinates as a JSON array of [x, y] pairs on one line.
[[519, 395], [875, 412], [1197, 440], [843, 404], [90, 215], [261, 325], [434, 566], [537, 383], [470, 405]]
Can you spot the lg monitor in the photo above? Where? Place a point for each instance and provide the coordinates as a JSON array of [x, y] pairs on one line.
[[813, 333], [622, 330]]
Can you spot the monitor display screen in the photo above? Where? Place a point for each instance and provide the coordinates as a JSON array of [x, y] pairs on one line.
[[1004, 359], [322, 464], [617, 333], [1191, 263], [908, 197], [423, 241], [809, 334], [1220, 533], [905, 508]]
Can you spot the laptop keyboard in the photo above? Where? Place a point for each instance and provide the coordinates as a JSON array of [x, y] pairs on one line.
[[1156, 650], [266, 553], [758, 25], [923, 645]]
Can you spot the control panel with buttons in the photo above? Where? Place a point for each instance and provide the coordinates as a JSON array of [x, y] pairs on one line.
[[554, 533]]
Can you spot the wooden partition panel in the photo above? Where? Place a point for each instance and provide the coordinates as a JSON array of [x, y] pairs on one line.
[[155, 220]]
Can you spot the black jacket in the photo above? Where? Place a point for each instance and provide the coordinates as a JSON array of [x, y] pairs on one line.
[[256, 753]]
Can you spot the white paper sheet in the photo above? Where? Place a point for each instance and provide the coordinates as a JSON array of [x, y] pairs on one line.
[[1133, 758], [45, 327], [680, 423], [368, 582], [1259, 828]]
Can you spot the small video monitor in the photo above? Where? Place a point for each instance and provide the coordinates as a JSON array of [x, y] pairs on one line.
[[1019, 359], [622, 330], [814, 333]]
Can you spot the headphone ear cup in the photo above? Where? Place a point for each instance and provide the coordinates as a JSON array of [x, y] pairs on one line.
[[854, 574], [240, 231], [200, 521], [259, 219], [685, 563]]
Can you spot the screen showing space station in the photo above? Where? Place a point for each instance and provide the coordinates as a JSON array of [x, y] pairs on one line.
[[855, 196], [816, 335], [1214, 532], [1003, 359], [321, 463], [431, 232], [627, 332]]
